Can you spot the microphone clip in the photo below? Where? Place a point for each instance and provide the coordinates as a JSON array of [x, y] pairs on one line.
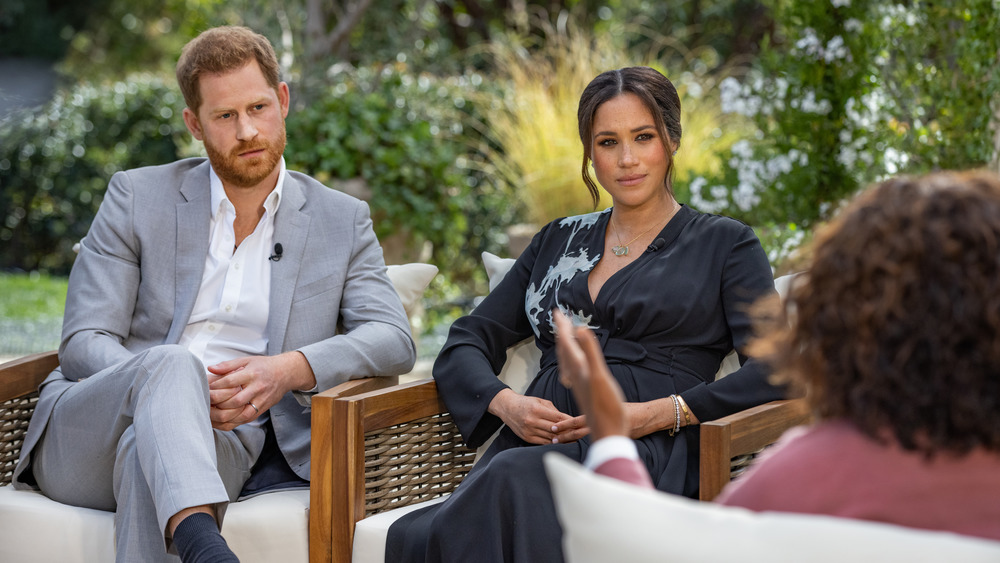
[[655, 245], [277, 252]]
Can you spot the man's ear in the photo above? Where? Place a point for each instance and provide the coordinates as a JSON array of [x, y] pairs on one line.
[[283, 98], [193, 124]]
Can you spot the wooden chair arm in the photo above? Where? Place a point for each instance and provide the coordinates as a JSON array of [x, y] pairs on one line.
[[19, 380], [394, 447], [741, 434], [22, 376]]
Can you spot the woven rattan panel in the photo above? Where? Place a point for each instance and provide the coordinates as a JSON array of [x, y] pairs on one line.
[[739, 464], [413, 462], [14, 417]]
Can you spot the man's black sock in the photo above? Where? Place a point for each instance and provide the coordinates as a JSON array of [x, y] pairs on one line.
[[198, 540]]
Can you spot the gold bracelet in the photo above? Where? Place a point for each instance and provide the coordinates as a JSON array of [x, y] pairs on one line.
[[684, 407]]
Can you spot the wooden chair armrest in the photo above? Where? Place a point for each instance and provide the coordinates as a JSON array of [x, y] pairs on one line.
[[389, 448], [740, 434], [19, 380], [22, 376], [357, 386]]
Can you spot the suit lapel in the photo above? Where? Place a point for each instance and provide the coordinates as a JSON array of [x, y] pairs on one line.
[[291, 226], [193, 223]]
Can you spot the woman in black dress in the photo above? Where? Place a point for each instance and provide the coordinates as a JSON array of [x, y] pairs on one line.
[[665, 289]]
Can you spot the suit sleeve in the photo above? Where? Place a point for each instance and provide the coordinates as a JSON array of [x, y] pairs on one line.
[[103, 286], [746, 277], [376, 339]]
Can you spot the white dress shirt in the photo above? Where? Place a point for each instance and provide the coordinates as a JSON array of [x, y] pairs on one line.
[[230, 315]]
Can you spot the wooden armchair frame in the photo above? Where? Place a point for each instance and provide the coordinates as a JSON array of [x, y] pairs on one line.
[[375, 469]]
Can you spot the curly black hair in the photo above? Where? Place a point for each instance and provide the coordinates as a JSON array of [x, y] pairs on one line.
[[896, 325]]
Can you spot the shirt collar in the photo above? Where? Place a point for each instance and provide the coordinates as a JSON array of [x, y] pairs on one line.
[[271, 203]]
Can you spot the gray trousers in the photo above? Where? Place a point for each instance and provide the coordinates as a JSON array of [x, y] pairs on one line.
[[136, 439]]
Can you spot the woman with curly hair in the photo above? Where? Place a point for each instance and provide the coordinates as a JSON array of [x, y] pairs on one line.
[[894, 336]]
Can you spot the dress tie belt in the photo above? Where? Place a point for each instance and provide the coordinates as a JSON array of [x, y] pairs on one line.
[[698, 362]]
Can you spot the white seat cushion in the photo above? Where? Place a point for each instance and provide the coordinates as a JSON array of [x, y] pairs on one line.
[[36, 529], [608, 520], [370, 534]]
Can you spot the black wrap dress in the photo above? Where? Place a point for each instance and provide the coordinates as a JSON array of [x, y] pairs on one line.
[[665, 322]]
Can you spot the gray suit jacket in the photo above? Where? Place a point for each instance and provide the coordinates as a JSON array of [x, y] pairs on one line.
[[134, 285]]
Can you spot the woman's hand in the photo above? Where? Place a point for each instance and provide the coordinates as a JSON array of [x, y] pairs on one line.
[[531, 418]]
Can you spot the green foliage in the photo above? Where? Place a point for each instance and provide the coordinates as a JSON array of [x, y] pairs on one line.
[[55, 163], [815, 140], [856, 90], [413, 141], [30, 28], [941, 75], [128, 36]]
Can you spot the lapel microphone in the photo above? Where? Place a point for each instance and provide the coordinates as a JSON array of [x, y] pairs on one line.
[[277, 253], [657, 244]]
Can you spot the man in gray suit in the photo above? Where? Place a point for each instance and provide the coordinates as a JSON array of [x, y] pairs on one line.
[[202, 314]]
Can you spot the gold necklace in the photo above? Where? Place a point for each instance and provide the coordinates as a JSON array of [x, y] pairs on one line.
[[622, 249]]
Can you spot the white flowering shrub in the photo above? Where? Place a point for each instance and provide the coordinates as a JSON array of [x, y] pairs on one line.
[[849, 92], [817, 131]]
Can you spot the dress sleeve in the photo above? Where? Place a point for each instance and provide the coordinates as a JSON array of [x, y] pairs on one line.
[[466, 368], [746, 277]]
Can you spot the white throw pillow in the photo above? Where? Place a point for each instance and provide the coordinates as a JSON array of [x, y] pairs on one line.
[[522, 358], [496, 268], [604, 519], [410, 281]]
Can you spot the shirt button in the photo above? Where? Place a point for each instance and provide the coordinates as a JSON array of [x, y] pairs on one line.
[[229, 308], [236, 265], [211, 328]]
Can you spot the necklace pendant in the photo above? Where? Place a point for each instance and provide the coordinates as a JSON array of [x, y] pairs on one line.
[[620, 250]]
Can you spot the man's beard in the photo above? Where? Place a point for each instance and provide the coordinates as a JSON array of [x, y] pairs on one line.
[[246, 173]]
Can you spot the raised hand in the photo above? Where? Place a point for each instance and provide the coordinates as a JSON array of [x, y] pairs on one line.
[[582, 369]]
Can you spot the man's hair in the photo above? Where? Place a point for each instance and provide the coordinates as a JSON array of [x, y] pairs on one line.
[[655, 91], [896, 325], [220, 50]]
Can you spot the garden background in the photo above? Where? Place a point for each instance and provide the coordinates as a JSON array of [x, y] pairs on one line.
[[456, 119]]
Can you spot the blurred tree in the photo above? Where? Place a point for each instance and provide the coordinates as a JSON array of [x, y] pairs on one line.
[[329, 25]]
